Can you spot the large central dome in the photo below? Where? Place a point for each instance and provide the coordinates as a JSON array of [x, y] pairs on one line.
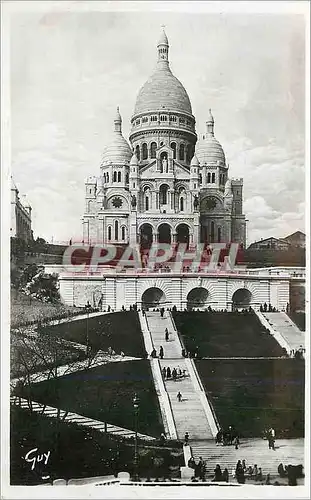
[[162, 91]]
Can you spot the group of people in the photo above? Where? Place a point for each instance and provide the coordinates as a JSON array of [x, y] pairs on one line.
[[192, 353], [153, 353], [227, 437], [174, 373], [241, 472], [297, 353], [199, 468]]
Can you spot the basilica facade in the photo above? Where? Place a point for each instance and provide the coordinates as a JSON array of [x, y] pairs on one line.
[[164, 185]]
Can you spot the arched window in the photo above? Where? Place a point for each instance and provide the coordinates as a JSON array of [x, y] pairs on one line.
[[181, 204], [147, 203], [213, 177], [188, 153], [123, 233], [219, 234], [153, 147], [114, 176], [182, 152], [127, 178], [208, 177], [173, 146], [137, 151], [163, 194], [109, 233], [144, 151], [119, 176], [116, 230]]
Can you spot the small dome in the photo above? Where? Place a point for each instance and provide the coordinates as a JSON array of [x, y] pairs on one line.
[[210, 151], [134, 160], [118, 149], [195, 162]]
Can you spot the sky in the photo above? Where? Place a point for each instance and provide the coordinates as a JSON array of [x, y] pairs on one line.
[[70, 70]]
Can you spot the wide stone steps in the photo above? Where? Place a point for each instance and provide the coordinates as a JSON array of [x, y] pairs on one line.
[[157, 326], [189, 414], [253, 451], [289, 331]]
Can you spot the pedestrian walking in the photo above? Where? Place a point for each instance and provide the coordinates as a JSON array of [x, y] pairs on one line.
[[179, 396], [187, 438], [168, 372], [166, 335], [161, 352]]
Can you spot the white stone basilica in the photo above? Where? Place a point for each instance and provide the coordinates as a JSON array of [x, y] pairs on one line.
[[165, 187]]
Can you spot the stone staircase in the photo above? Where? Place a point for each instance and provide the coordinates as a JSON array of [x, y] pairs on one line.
[[280, 322], [253, 451], [189, 414]]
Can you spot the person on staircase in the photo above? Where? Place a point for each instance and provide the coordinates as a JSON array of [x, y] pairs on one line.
[[153, 353], [187, 438], [168, 372], [174, 374], [179, 396], [166, 335], [225, 475], [164, 372], [161, 352], [217, 473]]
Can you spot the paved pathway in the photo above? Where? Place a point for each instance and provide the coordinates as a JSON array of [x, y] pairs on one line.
[[52, 412], [101, 358], [189, 414]]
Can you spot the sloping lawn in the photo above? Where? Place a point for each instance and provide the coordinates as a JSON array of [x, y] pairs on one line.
[[106, 393], [120, 330], [256, 394], [299, 318], [226, 334], [77, 452], [25, 308]]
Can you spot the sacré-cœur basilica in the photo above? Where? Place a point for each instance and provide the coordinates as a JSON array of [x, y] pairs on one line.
[[165, 186]]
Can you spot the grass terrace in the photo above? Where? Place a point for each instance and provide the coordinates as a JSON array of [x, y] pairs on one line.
[[119, 330], [299, 318], [78, 452], [256, 394], [25, 308], [226, 334], [105, 393]]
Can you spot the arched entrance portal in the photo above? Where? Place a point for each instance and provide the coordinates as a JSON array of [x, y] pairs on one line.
[[153, 297], [146, 236], [197, 297], [182, 234], [164, 233], [241, 299]]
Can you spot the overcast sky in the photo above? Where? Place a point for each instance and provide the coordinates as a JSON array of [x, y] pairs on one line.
[[69, 71]]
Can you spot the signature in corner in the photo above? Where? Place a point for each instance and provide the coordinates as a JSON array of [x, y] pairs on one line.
[[34, 457]]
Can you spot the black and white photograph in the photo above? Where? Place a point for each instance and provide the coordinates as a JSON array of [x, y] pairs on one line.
[[155, 249]]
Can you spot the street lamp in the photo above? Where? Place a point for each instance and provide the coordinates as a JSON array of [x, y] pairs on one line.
[[87, 307], [136, 408]]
